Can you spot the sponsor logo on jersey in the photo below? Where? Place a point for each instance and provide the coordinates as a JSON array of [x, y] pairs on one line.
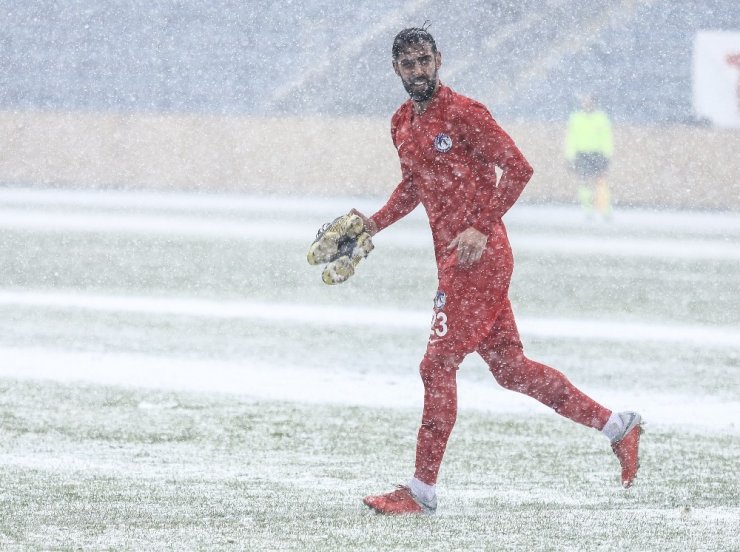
[[442, 143], [440, 299]]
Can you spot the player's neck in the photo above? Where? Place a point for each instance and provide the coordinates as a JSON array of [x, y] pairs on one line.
[[421, 107]]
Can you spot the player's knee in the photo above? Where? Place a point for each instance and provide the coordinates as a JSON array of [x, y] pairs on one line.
[[508, 379], [439, 374], [507, 366], [438, 366], [516, 372]]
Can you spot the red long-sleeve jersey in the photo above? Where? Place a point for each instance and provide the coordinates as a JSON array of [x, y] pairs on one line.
[[449, 156]]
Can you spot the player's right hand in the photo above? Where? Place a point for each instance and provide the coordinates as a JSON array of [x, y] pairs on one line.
[[342, 243], [470, 244], [370, 226]]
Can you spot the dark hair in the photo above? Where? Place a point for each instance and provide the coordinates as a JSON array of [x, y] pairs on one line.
[[413, 35]]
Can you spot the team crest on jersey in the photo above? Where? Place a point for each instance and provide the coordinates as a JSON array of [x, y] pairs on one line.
[[440, 299], [442, 142]]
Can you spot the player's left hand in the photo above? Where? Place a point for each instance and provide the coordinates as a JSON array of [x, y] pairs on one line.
[[470, 244]]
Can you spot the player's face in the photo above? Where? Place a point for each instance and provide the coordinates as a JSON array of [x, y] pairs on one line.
[[417, 66]]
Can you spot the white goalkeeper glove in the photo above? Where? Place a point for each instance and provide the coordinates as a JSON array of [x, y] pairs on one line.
[[342, 243]]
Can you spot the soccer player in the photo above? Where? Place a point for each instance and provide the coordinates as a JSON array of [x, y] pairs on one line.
[[449, 147]]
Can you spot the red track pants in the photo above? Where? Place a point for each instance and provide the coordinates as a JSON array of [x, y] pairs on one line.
[[502, 351]]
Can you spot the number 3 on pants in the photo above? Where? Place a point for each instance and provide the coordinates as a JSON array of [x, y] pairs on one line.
[[439, 324]]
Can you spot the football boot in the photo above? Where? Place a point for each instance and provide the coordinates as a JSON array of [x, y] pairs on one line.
[[400, 502], [626, 446]]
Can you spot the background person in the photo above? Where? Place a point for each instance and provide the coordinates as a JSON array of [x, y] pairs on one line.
[[589, 146]]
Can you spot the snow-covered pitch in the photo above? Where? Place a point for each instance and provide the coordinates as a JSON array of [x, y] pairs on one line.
[[174, 375]]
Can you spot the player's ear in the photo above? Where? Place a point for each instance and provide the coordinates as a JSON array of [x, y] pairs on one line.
[[438, 58], [395, 68]]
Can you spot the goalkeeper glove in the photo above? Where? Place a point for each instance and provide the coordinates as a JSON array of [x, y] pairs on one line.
[[342, 243]]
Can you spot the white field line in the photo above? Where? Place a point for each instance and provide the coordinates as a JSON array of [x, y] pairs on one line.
[[686, 249], [698, 222], [179, 201], [335, 386], [392, 319], [281, 230]]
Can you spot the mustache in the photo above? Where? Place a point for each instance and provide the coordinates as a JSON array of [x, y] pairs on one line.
[[419, 95]]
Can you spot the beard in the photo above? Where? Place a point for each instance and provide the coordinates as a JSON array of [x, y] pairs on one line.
[[423, 93]]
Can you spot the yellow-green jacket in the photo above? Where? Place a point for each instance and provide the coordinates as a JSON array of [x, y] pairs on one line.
[[589, 132]]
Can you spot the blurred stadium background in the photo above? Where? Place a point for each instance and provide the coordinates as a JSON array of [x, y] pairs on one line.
[[279, 97], [174, 375]]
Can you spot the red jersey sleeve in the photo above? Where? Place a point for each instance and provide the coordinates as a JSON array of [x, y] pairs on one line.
[[404, 198], [491, 146]]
